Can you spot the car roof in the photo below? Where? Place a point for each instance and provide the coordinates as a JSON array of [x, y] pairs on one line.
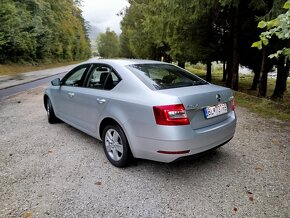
[[122, 62]]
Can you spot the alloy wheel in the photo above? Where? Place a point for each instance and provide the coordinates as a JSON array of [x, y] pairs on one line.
[[114, 144]]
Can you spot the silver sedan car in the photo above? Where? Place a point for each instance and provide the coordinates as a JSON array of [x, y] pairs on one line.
[[143, 109]]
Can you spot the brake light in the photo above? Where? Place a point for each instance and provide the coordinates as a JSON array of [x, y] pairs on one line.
[[171, 115], [233, 103]]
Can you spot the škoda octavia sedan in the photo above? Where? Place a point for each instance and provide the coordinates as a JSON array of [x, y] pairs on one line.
[[143, 109]]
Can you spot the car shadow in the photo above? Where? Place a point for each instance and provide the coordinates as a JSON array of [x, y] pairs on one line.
[[192, 161], [219, 160], [210, 165]]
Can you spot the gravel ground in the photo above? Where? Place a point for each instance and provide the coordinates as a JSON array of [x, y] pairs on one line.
[[57, 171]]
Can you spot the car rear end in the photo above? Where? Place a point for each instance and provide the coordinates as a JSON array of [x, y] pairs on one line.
[[200, 118]]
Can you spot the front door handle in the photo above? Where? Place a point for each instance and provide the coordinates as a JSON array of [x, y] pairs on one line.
[[71, 94], [101, 100]]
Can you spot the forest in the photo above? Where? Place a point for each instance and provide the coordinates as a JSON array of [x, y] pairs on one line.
[[251, 33], [42, 31]]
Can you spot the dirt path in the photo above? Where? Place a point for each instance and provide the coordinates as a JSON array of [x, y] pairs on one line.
[[56, 171]]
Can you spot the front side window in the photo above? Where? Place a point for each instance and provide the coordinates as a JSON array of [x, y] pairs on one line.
[[103, 77], [164, 76], [76, 77]]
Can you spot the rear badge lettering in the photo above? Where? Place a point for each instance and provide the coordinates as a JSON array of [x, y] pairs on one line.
[[195, 106]]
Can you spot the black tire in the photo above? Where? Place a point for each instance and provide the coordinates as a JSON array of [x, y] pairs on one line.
[[113, 138], [50, 113]]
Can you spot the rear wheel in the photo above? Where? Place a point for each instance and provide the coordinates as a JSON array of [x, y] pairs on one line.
[[116, 146], [50, 112]]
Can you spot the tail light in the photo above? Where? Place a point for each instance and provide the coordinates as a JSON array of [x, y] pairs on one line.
[[171, 115], [233, 103]]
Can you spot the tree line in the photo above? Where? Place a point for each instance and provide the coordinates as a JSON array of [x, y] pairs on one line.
[[206, 31], [42, 31]]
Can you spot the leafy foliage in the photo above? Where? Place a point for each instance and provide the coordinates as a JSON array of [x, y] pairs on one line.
[[182, 30], [42, 31], [279, 27], [136, 38], [108, 44], [205, 31]]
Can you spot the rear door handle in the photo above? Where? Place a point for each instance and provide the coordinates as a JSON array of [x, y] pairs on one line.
[[71, 94], [101, 100]]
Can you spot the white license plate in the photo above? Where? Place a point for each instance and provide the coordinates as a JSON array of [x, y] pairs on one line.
[[216, 110]]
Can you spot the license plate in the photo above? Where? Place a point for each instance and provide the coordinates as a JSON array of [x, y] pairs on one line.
[[215, 110]]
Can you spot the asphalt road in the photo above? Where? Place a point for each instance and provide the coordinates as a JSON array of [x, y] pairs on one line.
[[57, 171], [26, 86]]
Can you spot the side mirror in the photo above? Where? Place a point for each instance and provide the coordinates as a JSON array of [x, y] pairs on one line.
[[56, 82]]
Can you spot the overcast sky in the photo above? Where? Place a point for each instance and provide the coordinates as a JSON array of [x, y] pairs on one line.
[[102, 13]]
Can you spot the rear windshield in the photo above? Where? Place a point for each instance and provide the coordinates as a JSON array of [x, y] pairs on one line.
[[164, 76]]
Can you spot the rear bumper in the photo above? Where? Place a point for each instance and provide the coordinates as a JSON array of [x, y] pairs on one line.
[[201, 140], [201, 153]]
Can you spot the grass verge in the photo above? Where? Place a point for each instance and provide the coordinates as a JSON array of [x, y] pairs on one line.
[[264, 107]]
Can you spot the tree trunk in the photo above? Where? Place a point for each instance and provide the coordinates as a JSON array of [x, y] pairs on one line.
[[235, 66], [224, 71], [229, 72], [281, 80], [256, 79], [181, 64], [208, 71], [233, 62], [264, 77]]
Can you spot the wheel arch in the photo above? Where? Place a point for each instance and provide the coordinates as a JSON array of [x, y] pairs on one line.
[[105, 122], [110, 121]]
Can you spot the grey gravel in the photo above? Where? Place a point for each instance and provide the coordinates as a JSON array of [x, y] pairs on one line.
[[57, 171]]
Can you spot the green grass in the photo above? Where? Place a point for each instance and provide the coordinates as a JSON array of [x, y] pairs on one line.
[[264, 107], [247, 98], [13, 69]]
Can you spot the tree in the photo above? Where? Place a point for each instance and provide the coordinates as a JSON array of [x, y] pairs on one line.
[[17, 39], [167, 30], [137, 39], [42, 31], [108, 44], [279, 29], [201, 30], [190, 31], [125, 50]]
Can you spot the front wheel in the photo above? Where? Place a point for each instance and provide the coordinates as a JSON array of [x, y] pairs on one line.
[[50, 113], [116, 146]]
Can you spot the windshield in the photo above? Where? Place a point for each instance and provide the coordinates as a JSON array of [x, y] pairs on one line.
[[164, 76]]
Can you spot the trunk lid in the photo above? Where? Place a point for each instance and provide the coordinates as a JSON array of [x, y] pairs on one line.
[[196, 98]]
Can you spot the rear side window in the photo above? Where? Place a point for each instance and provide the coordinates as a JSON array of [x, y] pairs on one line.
[[164, 76], [103, 77]]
